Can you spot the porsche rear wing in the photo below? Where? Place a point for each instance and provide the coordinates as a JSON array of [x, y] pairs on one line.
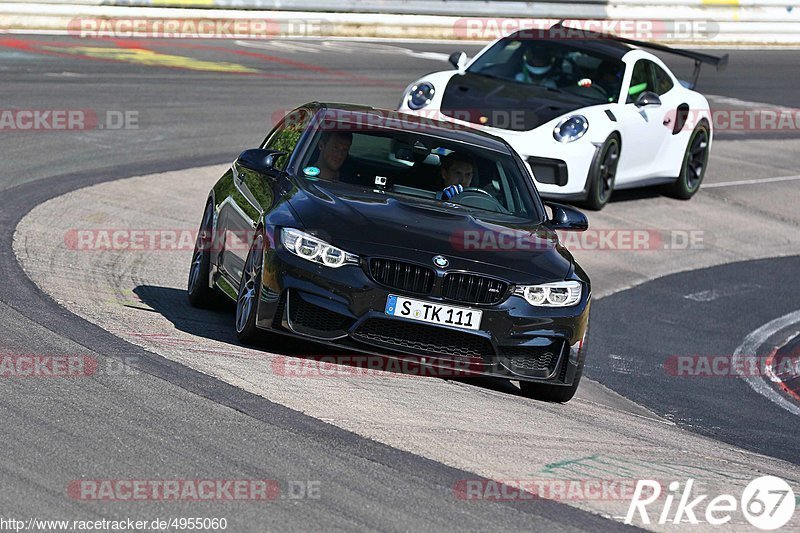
[[699, 58]]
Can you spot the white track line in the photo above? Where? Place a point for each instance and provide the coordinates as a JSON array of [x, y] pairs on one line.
[[738, 102], [749, 182], [340, 47], [748, 348]]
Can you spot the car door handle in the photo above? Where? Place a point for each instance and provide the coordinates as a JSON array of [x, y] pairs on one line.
[[667, 121]]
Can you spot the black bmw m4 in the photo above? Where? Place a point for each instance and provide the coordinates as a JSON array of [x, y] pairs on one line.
[[390, 234]]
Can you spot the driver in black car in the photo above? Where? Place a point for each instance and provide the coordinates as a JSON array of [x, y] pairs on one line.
[[457, 172]]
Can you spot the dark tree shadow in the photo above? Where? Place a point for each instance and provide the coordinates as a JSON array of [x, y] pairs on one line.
[[218, 325], [621, 196], [627, 195]]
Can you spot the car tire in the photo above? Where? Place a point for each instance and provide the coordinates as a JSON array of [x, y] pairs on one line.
[[552, 393], [200, 294], [693, 168], [250, 293], [602, 173]]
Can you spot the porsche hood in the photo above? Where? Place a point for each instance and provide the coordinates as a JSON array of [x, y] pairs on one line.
[[504, 104]]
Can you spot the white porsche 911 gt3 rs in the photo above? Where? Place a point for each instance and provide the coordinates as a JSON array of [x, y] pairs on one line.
[[589, 113]]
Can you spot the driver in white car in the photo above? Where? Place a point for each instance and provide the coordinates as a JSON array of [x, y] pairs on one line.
[[539, 68], [457, 172]]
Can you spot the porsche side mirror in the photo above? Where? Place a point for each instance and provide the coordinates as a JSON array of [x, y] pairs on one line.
[[259, 159], [647, 98], [567, 218], [458, 60]]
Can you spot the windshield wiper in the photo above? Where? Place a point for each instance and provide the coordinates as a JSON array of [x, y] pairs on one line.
[[491, 76]]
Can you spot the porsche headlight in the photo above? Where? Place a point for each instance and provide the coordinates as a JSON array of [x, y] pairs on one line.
[[571, 129], [315, 250], [420, 95], [558, 294]]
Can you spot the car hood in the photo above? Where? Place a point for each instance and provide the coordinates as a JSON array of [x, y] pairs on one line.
[[371, 223], [504, 104]]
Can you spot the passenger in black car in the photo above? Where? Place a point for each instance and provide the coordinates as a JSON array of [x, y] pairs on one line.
[[334, 147]]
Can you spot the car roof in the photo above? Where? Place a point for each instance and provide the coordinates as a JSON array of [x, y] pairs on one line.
[[599, 45], [375, 118]]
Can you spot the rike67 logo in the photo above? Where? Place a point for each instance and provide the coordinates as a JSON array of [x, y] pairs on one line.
[[767, 503]]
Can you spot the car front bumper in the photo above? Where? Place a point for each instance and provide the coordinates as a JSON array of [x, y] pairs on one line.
[[345, 307], [560, 170]]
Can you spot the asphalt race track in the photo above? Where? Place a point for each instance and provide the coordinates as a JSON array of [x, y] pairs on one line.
[[176, 397], [727, 301]]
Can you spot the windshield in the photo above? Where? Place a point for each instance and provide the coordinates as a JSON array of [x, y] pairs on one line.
[[553, 65], [422, 169]]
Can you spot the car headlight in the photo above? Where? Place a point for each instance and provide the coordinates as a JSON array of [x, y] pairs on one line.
[[558, 294], [571, 129], [420, 95], [315, 250]]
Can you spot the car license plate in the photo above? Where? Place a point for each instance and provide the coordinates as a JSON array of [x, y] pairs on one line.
[[432, 313]]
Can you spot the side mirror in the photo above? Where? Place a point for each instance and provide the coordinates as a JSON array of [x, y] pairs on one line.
[[567, 218], [458, 60], [647, 98], [259, 159]]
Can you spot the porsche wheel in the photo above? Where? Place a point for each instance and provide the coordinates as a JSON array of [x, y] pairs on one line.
[[694, 164], [602, 174], [200, 293], [250, 293]]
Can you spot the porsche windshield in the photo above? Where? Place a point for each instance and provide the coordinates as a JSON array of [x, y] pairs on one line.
[[553, 65], [421, 168]]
